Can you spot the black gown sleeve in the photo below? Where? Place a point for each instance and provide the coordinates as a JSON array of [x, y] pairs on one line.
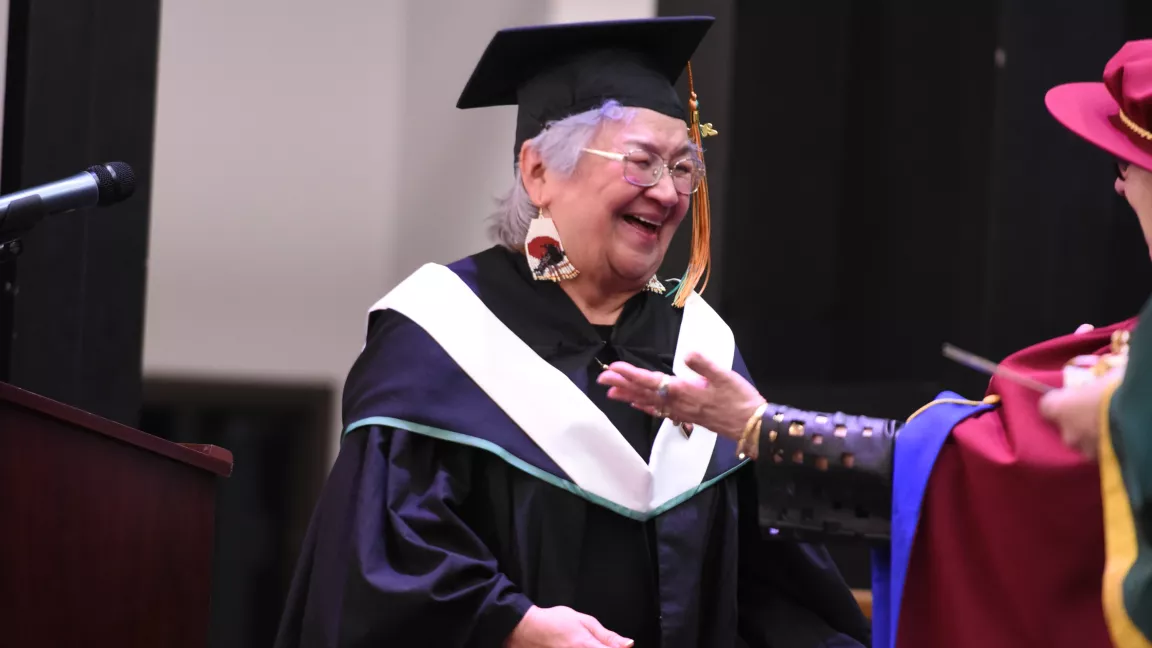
[[388, 559], [791, 594], [825, 475]]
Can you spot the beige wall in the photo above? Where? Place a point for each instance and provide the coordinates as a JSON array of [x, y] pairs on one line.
[[308, 156], [581, 10], [275, 178]]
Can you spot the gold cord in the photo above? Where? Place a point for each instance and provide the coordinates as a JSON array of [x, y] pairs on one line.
[[1136, 128], [991, 399]]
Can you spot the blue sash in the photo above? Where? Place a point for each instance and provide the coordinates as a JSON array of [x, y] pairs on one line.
[[917, 448]]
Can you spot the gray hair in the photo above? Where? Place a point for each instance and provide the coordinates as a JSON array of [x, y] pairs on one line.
[[560, 145]]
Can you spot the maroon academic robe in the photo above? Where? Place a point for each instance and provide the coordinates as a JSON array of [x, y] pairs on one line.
[[1009, 552]]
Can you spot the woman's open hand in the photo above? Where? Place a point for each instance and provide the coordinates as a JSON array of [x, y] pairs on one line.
[[562, 627], [718, 399]]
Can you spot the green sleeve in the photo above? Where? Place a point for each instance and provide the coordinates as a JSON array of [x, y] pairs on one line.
[[1130, 423]]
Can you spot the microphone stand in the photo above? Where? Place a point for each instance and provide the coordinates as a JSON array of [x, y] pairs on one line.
[[16, 219]]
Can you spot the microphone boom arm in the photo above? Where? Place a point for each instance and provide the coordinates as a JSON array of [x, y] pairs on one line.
[[21, 215], [16, 219]]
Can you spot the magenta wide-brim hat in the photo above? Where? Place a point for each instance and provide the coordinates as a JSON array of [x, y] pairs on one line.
[[1089, 110]]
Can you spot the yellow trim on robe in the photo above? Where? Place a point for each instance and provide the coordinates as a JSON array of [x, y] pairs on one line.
[[990, 399], [1119, 537]]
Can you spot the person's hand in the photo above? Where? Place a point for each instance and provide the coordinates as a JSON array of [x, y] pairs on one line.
[[562, 627], [718, 399], [1077, 411]]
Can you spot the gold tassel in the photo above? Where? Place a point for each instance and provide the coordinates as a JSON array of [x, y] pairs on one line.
[[699, 261]]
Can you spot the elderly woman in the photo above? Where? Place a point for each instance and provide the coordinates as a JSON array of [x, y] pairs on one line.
[[487, 492], [1006, 518]]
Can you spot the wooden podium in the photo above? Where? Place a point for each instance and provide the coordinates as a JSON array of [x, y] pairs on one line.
[[106, 533]]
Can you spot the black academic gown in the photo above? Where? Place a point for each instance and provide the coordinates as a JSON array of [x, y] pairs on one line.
[[441, 522]]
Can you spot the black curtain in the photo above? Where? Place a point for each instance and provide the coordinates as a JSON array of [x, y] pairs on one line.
[[1063, 248], [80, 90], [892, 181], [863, 144]]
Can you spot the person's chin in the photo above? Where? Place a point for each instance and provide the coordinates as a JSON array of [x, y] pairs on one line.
[[634, 266]]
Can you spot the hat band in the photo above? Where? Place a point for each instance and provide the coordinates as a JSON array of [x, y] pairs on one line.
[[1134, 127]]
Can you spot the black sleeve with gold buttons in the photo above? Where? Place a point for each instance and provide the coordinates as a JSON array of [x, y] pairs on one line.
[[825, 476]]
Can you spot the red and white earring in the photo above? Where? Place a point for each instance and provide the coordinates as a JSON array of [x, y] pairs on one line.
[[546, 256]]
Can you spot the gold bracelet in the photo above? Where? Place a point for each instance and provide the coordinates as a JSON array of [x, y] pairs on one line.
[[753, 425], [754, 441]]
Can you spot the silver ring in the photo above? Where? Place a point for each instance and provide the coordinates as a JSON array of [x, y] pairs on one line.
[[662, 390]]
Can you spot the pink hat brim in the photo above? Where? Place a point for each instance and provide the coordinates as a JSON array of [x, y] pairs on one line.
[[1088, 110]]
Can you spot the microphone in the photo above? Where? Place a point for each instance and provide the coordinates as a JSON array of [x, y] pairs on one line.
[[97, 186]]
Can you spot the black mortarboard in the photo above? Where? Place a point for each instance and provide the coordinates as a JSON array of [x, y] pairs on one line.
[[553, 71]]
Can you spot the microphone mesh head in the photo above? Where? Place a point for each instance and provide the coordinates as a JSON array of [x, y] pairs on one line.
[[116, 182]]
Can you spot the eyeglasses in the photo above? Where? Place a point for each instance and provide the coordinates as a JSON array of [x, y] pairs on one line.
[[644, 169]]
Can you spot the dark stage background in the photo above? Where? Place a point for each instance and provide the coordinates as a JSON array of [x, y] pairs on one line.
[[886, 178]]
